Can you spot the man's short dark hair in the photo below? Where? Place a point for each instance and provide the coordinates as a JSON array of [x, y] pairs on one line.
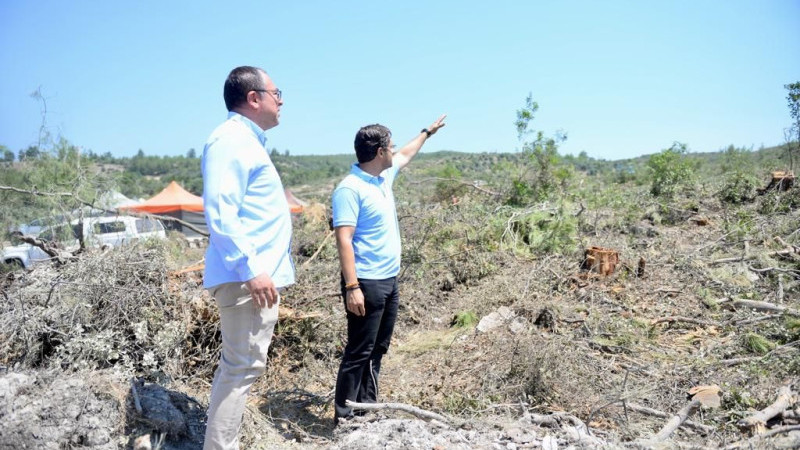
[[369, 139], [240, 81]]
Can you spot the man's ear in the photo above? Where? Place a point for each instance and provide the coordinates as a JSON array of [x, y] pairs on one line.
[[252, 98]]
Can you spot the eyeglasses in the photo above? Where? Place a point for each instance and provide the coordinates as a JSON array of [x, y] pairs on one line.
[[277, 92]]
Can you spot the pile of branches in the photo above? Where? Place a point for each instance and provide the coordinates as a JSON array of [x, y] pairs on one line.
[[112, 308]]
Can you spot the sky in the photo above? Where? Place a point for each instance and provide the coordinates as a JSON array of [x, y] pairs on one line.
[[620, 78]]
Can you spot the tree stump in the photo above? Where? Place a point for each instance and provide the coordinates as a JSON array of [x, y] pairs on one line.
[[600, 260], [781, 180]]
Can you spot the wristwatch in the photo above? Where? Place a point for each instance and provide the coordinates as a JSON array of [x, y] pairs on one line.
[[426, 131]]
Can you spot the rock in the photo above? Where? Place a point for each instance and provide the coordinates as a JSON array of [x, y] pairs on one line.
[[142, 443], [10, 384], [517, 326], [97, 437], [549, 443], [495, 319]]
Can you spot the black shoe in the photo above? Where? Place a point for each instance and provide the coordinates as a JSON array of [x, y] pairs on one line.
[[342, 420]]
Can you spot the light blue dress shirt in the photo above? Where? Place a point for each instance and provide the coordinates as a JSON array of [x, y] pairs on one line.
[[246, 210], [367, 203]]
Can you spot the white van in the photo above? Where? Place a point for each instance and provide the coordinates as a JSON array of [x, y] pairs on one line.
[[96, 231]]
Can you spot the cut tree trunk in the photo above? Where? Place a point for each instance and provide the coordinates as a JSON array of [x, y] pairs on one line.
[[758, 421]]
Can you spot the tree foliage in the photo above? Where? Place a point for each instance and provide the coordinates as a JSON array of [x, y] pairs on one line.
[[793, 132], [739, 183], [670, 170], [542, 172], [59, 169]]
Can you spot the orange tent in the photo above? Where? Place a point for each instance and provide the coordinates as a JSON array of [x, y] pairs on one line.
[[177, 202], [172, 198]]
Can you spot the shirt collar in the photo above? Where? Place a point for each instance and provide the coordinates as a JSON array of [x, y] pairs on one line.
[[260, 134], [357, 171]]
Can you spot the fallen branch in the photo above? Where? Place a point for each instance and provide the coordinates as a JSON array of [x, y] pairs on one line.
[[656, 413], [421, 413], [671, 319], [554, 421], [136, 402], [46, 246], [775, 352], [189, 269], [764, 306], [756, 319], [734, 361], [674, 422], [319, 249], [775, 269], [36, 192], [758, 421], [748, 443], [784, 252], [793, 414], [463, 183]]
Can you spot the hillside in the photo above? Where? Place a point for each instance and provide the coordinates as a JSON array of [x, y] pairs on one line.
[[503, 329]]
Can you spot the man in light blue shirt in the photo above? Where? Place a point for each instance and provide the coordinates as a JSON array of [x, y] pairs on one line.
[[248, 259], [368, 241]]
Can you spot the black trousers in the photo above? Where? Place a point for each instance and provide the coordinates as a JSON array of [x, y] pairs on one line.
[[368, 339]]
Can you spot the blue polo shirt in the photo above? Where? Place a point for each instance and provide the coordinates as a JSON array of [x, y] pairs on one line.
[[367, 203]]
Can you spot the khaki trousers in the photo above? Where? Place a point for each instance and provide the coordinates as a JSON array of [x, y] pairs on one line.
[[246, 335]]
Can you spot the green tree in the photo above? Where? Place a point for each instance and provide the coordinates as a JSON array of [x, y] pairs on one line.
[[32, 152], [191, 154], [793, 132], [670, 170], [58, 169], [6, 155], [541, 172]]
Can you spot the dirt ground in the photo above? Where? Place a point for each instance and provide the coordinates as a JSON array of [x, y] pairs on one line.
[[514, 350]]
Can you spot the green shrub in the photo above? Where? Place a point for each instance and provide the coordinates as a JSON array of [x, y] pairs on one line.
[[670, 170], [755, 343], [464, 319], [738, 187], [542, 231], [739, 183]]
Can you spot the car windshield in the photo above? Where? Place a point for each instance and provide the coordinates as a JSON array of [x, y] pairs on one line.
[[61, 233]]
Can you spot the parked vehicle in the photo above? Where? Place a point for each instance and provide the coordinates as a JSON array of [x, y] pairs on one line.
[[36, 226], [96, 231]]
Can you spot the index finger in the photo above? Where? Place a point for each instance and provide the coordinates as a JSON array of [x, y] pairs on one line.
[[441, 118]]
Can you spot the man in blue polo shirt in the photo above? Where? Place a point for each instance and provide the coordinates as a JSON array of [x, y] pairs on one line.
[[368, 241]]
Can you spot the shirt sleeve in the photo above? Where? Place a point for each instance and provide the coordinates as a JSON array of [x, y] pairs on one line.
[[390, 174], [226, 172], [345, 207]]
